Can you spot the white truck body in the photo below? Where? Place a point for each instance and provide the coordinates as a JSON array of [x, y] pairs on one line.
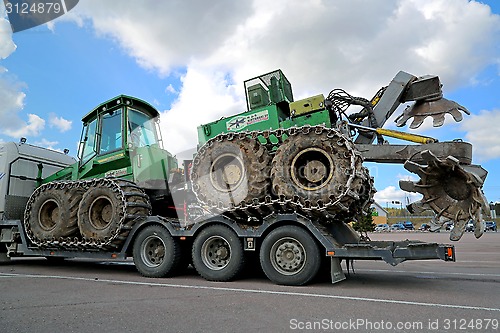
[[19, 170]]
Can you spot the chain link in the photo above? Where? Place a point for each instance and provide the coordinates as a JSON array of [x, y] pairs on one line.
[[260, 208], [77, 242]]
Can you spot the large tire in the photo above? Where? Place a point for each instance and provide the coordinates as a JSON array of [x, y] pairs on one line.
[[320, 169], [290, 256], [218, 254], [231, 171], [108, 210], [100, 213], [53, 213], [156, 253]]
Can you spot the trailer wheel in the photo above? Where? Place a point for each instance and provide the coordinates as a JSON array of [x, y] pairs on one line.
[[53, 214], [218, 254], [156, 253], [290, 256]]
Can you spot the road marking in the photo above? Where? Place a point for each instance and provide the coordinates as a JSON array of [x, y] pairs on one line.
[[255, 291], [423, 272]]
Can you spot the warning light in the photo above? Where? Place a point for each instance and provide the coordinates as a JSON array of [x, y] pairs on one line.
[[183, 238], [330, 253], [449, 252], [113, 255]]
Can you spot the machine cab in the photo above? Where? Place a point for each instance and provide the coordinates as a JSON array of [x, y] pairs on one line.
[[121, 138]]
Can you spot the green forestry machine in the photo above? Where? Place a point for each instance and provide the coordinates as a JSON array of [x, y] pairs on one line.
[[283, 178]]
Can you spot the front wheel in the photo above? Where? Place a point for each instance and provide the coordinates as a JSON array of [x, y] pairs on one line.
[[218, 254], [290, 256], [156, 253]]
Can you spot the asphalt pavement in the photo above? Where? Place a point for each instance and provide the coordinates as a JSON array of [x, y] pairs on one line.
[[102, 296]]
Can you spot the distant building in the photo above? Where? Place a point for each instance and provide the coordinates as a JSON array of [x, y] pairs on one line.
[[379, 214]]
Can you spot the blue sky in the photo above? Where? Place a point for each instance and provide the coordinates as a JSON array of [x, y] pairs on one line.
[[189, 60]]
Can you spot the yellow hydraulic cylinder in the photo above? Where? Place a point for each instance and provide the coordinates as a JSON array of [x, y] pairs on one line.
[[398, 135]]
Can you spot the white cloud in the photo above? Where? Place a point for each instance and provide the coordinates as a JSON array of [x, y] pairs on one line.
[[481, 132], [163, 35], [60, 123], [32, 127], [170, 88], [192, 109], [7, 45], [47, 144], [391, 193], [353, 44], [12, 102], [407, 176]]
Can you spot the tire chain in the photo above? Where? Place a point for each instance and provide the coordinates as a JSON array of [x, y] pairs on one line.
[[259, 209], [80, 243]]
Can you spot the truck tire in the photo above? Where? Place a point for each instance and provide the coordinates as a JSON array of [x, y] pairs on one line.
[[290, 256], [155, 252], [218, 254], [53, 214], [230, 172]]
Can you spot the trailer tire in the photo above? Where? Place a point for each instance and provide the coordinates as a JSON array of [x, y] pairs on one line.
[[290, 256], [155, 252], [53, 214], [218, 254]]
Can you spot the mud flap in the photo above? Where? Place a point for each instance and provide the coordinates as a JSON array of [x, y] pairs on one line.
[[4, 258], [336, 270]]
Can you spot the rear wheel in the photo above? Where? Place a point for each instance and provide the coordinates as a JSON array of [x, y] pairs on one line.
[[230, 172], [156, 253], [320, 168], [53, 214], [218, 254], [100, 214], [108, 210], [290, 256]]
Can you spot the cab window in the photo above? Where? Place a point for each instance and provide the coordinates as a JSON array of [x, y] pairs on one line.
[[141, 129], [111, 134], [89, 142]]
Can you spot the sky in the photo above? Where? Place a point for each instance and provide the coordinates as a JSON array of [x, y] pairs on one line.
[[189, 59]]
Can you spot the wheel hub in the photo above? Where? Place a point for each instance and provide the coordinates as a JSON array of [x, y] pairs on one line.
[[231, 174], [216, 253], [153, 252], [227, 172], [48, 215], [312, 169], [288, 256], [100, 213]]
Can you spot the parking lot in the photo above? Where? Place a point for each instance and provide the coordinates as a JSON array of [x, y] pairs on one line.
[[418, 296]]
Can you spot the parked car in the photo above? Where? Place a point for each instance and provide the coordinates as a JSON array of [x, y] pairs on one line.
[[448, 226], [424, 227], [408, 225], [490, 225], [397, 226], [382, 227], [469, 227]]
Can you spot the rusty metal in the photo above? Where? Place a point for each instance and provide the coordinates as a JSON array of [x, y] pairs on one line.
[[401, 153], [437, 109], [451, 191]]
